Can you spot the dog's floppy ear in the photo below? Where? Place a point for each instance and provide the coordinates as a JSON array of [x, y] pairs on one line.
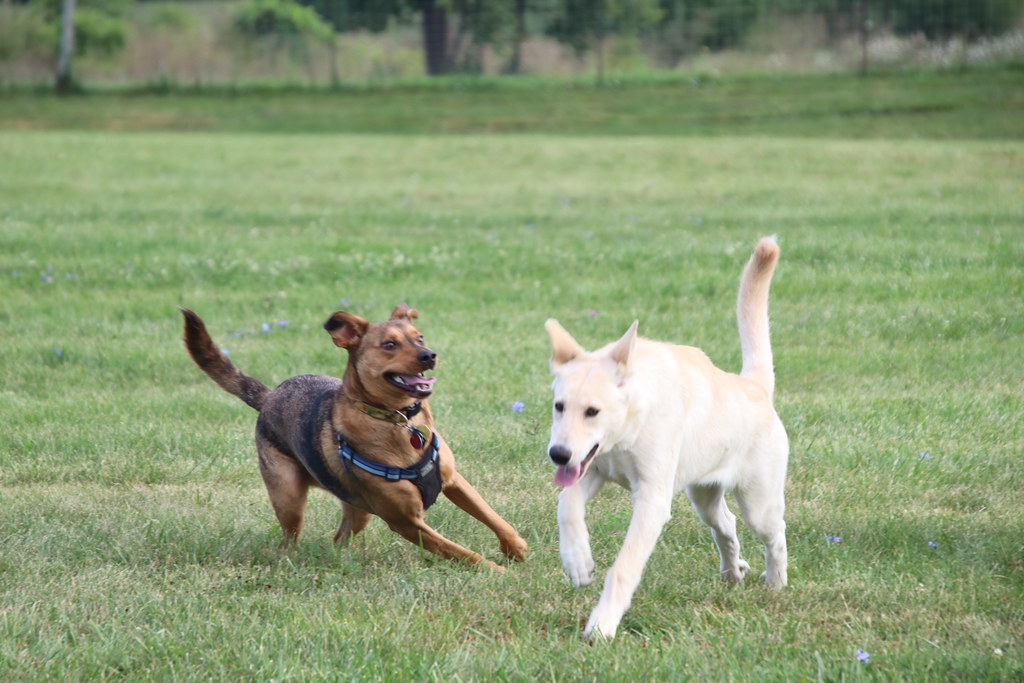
[[622, 352], [346, 330], [563, 347], [402, 310]]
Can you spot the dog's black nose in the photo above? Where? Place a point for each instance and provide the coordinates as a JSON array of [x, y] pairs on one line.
[[559, 455], [427, 358]]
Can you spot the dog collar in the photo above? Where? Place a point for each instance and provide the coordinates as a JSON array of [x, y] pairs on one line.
[[426, 474], [418, 434], [397, 416]]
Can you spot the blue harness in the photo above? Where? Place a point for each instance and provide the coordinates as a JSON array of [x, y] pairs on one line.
[[426, 474]]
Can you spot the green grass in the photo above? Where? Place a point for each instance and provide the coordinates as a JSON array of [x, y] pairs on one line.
[[983, 103], [137, 541]]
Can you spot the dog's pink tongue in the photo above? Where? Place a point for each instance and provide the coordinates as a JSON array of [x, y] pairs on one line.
[[566, 475], [420, 382]]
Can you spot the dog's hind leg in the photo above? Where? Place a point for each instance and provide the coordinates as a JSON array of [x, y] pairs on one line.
[[462, 493], [353, 520], [763, 506], [709, 502], [287, 485]]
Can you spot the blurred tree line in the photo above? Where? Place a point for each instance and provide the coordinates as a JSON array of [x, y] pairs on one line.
[[452, 29], [455, 32]]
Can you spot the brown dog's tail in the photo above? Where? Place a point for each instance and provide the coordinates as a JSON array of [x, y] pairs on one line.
[[752, 314], [215, 364]]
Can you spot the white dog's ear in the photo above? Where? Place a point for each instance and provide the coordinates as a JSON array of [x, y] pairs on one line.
[[563, 347], [622, 352]]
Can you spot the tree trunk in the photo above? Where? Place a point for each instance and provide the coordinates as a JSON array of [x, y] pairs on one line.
[[65, 82], [435, 38], [864, 29], [515, 64], [332, 53]]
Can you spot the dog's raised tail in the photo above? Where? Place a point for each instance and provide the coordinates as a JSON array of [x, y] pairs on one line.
[[752, 314], [214, 363]]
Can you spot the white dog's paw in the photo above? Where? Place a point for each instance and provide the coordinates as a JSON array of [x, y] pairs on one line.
[[578, 565], [736, 574], [774, 581], [581, 575], [600, 627]]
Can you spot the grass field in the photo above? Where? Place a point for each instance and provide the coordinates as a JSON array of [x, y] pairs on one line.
[[975, 104], [137, 542]]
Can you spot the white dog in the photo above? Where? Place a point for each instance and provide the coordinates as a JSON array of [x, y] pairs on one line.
[[658, 418]]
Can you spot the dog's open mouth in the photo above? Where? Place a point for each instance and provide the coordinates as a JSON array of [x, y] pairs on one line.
[[417, 386], [567, 475]]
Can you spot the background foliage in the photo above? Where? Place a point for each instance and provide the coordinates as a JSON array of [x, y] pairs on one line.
[[350, 40]]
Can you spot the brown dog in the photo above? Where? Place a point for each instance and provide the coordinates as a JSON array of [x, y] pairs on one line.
[[368, 438]]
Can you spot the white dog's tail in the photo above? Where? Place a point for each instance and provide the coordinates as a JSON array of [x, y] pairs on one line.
[[752, 314]]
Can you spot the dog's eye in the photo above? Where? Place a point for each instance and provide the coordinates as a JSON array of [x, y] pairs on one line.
[[591, 412], [389, 345], [419, 340], [559, 407]]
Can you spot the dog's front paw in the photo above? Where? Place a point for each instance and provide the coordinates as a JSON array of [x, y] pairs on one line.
[[601, 626], [514, 548], [735, 574], [578, 565]]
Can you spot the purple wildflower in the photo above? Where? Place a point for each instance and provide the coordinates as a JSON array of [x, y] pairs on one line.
[[925, 455], [863, 656], [266, 327], [518, 406], [933, 544], [282, 323], [834, 539]]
